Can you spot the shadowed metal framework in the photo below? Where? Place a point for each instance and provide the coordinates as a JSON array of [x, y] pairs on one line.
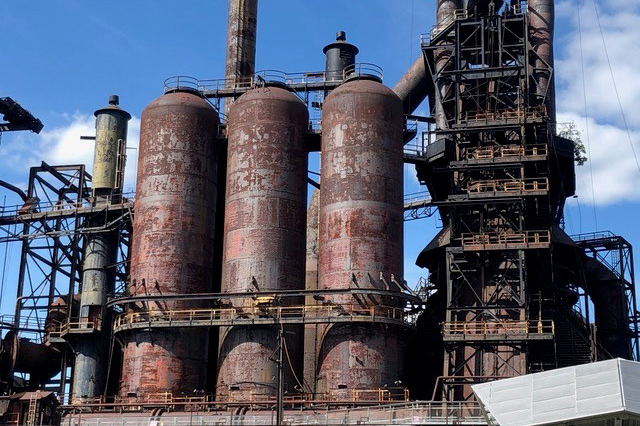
[[51, 226], [500, 176]]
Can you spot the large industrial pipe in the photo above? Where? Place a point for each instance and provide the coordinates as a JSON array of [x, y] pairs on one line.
[[412, 88], [172, 243], [100, 254], [18, 355], [541, 15], [361, 230], [607, 292], [242, 26], [264, 247]]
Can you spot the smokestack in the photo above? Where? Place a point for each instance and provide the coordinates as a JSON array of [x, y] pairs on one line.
[[241, 42], [541, 14]]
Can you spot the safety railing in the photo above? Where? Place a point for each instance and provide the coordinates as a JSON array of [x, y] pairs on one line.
[[260, 315], [425, 38], [36, 206], [506, 240], [492, 328], [362, 69], [591, 236], [247, 83], [506, 116], [74, 326], [417, 413], [507, 187], [25, 323], [507, 152], [417, 199]]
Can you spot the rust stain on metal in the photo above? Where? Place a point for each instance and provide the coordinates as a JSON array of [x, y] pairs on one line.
[[361, 229], [172, 238], [242, 28], [541, 15], [265, 217], [311, 283], [445, 15]]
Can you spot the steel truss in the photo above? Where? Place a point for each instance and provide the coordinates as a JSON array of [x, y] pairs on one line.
[[51, 228], [498, 198], [616, 254]]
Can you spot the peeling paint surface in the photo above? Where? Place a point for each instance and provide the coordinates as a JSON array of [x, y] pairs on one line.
[[264, 248], [361, 230], [173, 231]]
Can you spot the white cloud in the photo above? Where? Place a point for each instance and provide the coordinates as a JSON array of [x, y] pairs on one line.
[[616, 177], [62, 145], [615, 174]]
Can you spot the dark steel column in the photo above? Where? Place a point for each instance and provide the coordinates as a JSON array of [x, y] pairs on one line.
[[100, 253], [311, 283]]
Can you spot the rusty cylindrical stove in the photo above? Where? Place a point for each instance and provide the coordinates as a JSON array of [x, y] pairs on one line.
[[264, 247], [361, 232], [172, 239]]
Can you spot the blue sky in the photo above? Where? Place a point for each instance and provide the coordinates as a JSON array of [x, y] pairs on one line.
[[62, 58]]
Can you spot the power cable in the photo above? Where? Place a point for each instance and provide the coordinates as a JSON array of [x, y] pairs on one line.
[[615, 86], [4, 263], [586, 117], [286, 352]]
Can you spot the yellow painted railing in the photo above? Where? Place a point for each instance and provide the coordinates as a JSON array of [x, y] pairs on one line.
[[508, 151], [498, 327], [506, 240], [506, 186], [261, 314]]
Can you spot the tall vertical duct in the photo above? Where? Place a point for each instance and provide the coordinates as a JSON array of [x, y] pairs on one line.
[[100, 254], [264, 250], [361, 231], [242, 28], [311, 283], [172, 239], [445, 15], [541, 15]]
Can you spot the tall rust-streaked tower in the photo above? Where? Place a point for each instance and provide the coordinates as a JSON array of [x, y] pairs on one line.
[[172, 239], [541, 16], [361, 231], [242, 27], [100, 253], [445, 16], [264, 250]]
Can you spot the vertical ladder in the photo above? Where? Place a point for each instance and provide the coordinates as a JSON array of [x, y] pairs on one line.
[[32, 412]]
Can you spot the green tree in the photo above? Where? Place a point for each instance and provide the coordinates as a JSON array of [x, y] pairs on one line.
[[571, 132]]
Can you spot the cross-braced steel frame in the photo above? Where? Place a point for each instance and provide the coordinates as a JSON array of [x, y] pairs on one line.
[[51, 227], [498, 198]]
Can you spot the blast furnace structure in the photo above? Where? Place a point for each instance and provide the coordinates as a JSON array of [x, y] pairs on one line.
[[219, 295]]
